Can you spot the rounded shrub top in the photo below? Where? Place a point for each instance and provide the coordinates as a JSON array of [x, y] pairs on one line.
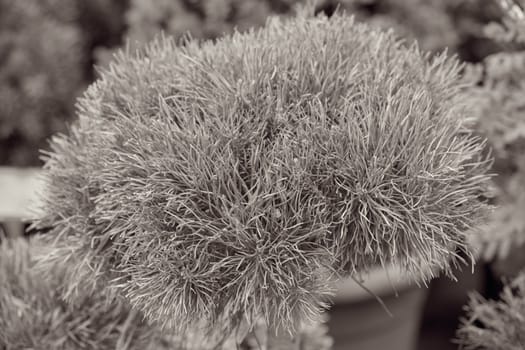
[[220, 182]]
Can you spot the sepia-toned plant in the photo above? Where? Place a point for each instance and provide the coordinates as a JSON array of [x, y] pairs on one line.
[[33, 314], [216, 184]]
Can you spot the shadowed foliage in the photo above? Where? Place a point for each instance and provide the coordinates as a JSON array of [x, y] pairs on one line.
[[496, 324], [33, 314], [500, 115]]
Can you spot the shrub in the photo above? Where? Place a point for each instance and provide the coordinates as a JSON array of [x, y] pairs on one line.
[[496, 325], [34, 316], [222, 182]]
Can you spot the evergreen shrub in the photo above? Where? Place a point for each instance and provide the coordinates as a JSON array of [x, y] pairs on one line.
[[33, 314], [219, 183]]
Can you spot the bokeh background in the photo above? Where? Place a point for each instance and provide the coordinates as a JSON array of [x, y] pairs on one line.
[[49, 49]]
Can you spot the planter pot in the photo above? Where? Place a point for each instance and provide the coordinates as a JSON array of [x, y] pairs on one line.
[[358, 321]]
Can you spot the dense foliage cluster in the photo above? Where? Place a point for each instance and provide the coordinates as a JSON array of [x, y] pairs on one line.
[[33, 314], [500, 324], [222, 182], [496, 325]]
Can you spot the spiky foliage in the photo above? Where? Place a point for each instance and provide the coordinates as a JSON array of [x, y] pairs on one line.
[[34, 316], [496, 324], [217, 183]]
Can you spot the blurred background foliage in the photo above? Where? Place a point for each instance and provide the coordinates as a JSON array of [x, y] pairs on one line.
[[500, 92], [46, 59], [41, 73], [48, 47]]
